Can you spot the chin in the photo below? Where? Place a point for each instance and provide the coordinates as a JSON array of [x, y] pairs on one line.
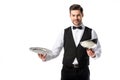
[[76, 24]]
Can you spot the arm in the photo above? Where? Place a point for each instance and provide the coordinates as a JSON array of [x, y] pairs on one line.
[[55, 50], [96, 52]]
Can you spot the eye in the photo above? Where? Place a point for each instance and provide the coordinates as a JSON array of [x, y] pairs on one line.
[[73, 15], [78, 15]]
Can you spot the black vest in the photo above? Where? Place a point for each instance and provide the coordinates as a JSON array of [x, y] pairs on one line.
[[71, 51]]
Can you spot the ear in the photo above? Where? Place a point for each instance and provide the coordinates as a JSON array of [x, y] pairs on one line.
[[70, 14], [82, 14]]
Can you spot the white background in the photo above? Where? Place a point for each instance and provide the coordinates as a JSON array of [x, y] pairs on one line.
[[28, 23]]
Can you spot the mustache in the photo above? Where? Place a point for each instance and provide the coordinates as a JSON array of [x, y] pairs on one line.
[[76, 20]]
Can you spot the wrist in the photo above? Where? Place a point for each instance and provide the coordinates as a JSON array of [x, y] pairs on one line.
[[93, 56]]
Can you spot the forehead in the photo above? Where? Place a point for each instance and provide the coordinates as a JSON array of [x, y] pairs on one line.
[[75, 12]]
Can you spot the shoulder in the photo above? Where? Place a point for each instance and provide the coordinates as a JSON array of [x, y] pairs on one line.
[[86, 27], [68, 28], [93, 32]]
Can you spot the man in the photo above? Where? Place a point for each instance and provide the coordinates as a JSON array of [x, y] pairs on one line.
[[76, 58]]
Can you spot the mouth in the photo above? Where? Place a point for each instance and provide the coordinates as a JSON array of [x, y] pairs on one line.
[[76, 21]]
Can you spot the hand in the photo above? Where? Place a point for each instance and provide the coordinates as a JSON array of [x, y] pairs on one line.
[[42, 56], [91, 53]]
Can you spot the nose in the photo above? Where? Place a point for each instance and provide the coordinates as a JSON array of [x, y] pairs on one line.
[[76, 17]]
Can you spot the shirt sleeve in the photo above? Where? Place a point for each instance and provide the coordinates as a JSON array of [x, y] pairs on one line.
[[97, 49], [57, 47]]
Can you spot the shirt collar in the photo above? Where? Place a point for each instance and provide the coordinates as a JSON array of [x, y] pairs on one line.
[[83, 26]]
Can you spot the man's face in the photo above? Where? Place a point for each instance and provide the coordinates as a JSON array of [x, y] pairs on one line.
[[76, 17]]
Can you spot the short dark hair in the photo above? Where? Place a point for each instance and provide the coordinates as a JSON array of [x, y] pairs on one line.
[[76, 7]]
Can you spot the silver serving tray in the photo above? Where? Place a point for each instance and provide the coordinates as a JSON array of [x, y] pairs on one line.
[[88, 44], [40, 50]]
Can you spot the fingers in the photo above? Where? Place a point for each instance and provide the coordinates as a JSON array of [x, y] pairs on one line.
[[42, 56], [90, 52]]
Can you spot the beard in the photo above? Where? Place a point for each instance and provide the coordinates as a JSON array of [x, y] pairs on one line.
[[76, 22]]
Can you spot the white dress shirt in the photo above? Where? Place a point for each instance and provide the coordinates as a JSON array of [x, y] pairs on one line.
[[77, 35]]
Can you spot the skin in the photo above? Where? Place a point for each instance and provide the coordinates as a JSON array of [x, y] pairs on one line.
[[41, 56], [76, 18]]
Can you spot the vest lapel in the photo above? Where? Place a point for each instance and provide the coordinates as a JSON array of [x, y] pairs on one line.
[[72, 37], [86, 35]]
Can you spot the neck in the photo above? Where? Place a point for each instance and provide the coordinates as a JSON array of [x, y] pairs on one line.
[[78, 25]]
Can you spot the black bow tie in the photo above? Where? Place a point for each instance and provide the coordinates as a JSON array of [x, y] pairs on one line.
[[80, 27]]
